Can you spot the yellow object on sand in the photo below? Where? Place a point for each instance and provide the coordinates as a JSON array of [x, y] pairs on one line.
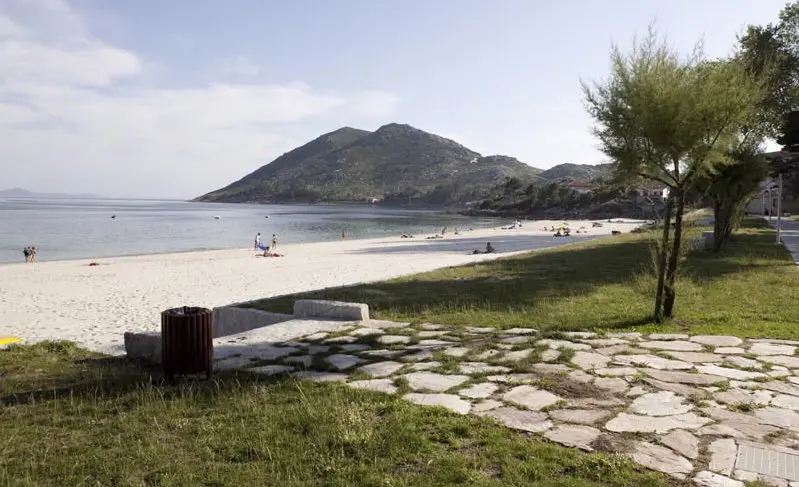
[[9, 340]]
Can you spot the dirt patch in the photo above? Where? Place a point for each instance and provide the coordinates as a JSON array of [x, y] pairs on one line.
[[610, 443], [571, 389]]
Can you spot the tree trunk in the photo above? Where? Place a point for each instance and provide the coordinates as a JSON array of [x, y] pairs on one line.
[[670, 292], [664, 251]]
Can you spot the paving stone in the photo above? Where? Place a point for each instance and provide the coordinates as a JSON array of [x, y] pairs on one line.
[[728, 372], [782, 418], [362, 332], [449, 401], [579, 416], [729, 351], [385, 386], [772, 349], [271, 369], [418, 356], [746, 476], [605, 342], [654, 424], [550, 355], [513, 378], [743, 362], [616, 372], [664, 403], [520, 331], [696, 357], [682, 377], [342, 339], [627, 336], [551, 369], [737, 429], [786, 401], [774, 464], [431, 334], [612, 384], [456, 351], [521, 420], [676, 345], [433, 382], [431, 326], [595, 402], [315, 336], [385, 324], [574, 436], [717, 340], [354, 347], [479, 391], [779, 386], [424, 365], [302, 360], [393, 339], [636, 391], [589, 360], [558, 344], [515, 340], [661, 459], [580, 376], [739, 396], [382, 353], [710, 479], [504, 346], [481, 368], [774, 340], [488, 354], [784, 360], [531, 397], [722, 456], [317, 349], [432, 344], [381, 369], [517, 355], [667, 336], [653, 362], [481, 329], [683, 443], [343, 362], [320, 376], [484, 406]]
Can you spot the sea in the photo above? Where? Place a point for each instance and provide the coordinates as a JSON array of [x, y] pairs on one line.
[[83, 228]]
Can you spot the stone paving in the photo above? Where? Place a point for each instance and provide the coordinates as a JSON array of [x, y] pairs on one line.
[[715, 409]]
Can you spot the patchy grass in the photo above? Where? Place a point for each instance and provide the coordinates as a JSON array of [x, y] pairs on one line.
[[749, 289], [70, 417]]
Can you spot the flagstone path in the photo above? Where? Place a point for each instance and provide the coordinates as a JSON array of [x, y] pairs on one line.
[[717, 409]]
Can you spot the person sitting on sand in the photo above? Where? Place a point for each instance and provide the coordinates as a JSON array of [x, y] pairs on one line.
[[489, 248]]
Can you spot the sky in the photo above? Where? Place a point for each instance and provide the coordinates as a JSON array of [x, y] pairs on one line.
[[152, 98]]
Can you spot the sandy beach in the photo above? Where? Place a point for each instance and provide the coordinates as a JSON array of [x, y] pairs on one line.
[[95, 305]]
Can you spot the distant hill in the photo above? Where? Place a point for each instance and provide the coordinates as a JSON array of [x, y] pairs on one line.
[[394, 164], [24, 193], [576, 172]]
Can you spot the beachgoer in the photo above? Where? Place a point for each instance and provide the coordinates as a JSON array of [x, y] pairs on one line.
[[274, 242], [33, 254], [489, 248], [257, 241], [27, 253], [343, 235]]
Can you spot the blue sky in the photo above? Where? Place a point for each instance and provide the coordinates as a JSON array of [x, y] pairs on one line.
[[174, 98]]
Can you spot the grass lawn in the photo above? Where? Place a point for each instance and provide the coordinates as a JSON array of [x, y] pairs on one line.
[[749, 289], [70, 417]]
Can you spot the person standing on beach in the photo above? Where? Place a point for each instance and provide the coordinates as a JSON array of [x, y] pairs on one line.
[[33, 254], [27, 253], [257, 241], [274, 243]]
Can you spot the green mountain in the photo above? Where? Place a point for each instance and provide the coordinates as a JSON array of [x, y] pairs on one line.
[[394, 164], [576, 172]]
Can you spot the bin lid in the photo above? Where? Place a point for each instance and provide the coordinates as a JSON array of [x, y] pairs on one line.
[[186, 310]]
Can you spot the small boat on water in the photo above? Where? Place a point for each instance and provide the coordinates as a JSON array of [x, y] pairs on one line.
[[217, 217]]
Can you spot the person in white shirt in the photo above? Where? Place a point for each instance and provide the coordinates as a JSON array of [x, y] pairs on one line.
[[258, 241]]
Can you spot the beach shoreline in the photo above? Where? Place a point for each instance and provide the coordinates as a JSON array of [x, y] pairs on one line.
[[95, 305]]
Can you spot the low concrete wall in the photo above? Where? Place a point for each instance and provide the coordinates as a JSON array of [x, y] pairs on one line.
[[227, 320], [335, 310]]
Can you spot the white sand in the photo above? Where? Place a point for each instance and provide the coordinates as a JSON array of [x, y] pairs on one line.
[[94, 306]]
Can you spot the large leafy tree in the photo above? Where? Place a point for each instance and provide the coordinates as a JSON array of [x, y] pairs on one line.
[[669, 118]]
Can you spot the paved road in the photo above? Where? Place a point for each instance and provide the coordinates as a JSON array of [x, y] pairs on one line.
[[790, 236]]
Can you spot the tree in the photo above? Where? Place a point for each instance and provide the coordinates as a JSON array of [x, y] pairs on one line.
[[730, 189], [667, 118], [772, 51]]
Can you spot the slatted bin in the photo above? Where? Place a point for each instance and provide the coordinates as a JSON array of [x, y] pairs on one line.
[[186, 341]]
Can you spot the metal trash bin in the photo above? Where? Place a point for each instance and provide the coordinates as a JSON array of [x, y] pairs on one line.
[[186, 341]]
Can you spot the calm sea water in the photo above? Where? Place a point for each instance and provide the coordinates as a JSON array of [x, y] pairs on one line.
[[83, 228]]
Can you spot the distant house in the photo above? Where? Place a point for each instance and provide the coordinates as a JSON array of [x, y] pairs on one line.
[[765, 201], [579, 186]]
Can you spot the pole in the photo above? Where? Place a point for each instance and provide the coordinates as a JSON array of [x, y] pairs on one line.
[[779, 210]]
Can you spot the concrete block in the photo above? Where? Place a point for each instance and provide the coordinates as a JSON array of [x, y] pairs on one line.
[[335, 310], [144, 346], [229, 320]]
